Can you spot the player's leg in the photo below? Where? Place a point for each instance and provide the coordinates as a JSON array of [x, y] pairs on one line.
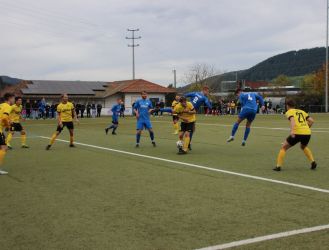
[[251, 117], [23, 137], [148, 126], [3, 150], [139, 129], [175, 124], [70, 127], [115, 126], [235, 127], [290, 142], [307, 151], [191, 135], [10, 137], [54, 136], [109, 127]]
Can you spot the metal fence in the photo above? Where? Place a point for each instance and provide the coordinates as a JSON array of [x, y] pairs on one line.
[[315, 108]]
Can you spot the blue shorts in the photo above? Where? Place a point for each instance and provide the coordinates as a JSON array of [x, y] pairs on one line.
[[141, 124], [248, 114]]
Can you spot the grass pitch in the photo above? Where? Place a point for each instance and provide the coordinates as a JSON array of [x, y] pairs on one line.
[[89, 198]]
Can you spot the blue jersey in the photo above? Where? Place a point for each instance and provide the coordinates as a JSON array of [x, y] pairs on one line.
[[116, 111], [143, 107], [197, 99], [249, 101]]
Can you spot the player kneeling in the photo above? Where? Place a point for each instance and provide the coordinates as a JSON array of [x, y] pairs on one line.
[[300, 124], [186, 112]]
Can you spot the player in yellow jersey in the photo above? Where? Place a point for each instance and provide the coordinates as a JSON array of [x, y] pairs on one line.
[[16, 126], [5, 110], [300, 132], [66, 115], [186, 112], [175, 116]]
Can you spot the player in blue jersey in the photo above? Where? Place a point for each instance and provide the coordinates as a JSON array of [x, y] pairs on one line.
[[143, 108], [249, 108], [116, 109], [198, 99]]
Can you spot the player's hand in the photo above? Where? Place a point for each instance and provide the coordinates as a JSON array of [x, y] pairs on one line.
[[263, 108], [60, 124], [77, 121], [137, 116], [185, 120], [292, 134]]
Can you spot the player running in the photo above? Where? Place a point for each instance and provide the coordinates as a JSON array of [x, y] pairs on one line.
[[175, 117], [143, 107], [66, 114], [186, 112], [116, 109], [300, 132], [249, 108], [16, 126], [5, 110]]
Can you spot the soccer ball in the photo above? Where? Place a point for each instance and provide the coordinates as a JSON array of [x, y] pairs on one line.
[[179, 144]]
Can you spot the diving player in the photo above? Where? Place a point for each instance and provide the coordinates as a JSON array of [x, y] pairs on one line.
[[16, 126], [5, 110], [66, 115], [300, 132], [116, 109], [249, 108], [143, 107]]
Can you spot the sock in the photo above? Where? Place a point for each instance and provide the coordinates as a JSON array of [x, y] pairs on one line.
[[308, 154], [191, 135], [2, 156], [110, 127], [186, 143], [9, 138], [23, 139], [176, 127], [71, 139], [114, 128], [234, 129], [53, 138], [281, 156], [138, 138], [246, 134], [152, 136]]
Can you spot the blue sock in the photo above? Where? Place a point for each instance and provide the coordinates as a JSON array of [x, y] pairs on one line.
[[235, 128], [246, 134], [138, 137], [152, 136]]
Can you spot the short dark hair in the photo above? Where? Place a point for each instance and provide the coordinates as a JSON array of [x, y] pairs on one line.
[[7, 96], [182, 99], [143, 92], [237, 91], [291, 103], [205, 88], [17, 98]]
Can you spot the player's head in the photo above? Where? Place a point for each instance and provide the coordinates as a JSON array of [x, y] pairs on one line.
[[238, 92], [205, 90], [183, 101], [290, 104], [177, 97], [119, 101], [18, 100], [65, 98], [144, 94], [9, 98]]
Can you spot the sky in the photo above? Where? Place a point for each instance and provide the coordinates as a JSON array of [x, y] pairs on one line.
[[85, 40]]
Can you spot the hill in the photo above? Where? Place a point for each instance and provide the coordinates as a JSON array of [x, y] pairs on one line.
[[6, 80]]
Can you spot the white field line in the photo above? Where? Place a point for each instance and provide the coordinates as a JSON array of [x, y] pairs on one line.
[[267, 237], [199, 167]]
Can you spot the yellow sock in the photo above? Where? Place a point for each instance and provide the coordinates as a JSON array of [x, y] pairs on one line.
[[23, 139], [186, 143], [71, 140], [176, 127], [9, 138], [2, 156], [53, 138], [308, 154], [281, 156]]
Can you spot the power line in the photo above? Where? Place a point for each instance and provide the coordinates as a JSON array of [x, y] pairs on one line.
[[133, 45]]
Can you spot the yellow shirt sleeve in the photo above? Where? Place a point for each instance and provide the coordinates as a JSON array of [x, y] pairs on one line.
[[289, 114]]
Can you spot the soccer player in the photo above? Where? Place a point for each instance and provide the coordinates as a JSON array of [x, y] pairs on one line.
[[198, 99], [5, 110], [175, 117], [300, 132], [249, 110], [116, 109], [16, 126], [66, 115], [143, 107], [186, 112]]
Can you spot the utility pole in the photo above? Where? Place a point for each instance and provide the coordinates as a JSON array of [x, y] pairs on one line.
[[133, 45], [326, 90], [175, 82]]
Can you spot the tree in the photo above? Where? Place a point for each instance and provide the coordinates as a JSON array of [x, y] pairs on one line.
[[199, 75], [281, 81]]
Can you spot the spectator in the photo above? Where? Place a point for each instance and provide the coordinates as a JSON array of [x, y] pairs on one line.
[[99, 109], [93, 110], [52, 111], [42, 108], [88, 110], [232, 108], [77, 109], [35, 107], [122, 110], [47, 110], [161, 106], [82, 110], [28, 108]]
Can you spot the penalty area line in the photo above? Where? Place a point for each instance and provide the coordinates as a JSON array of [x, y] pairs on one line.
[[267, 237], [198, 166]]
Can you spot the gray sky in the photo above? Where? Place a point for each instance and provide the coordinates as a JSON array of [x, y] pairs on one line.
[[85, 40]]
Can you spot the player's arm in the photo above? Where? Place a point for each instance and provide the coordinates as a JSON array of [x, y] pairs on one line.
[[74, 114], [135, 107], [190, 95], [310, 121], [6, 120], [261, 101], [207, 103]]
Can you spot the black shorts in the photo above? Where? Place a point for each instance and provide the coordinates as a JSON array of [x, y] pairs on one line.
[[303, 139], [69, 125], [16, 127], [2, 139], [175, 118], [187, 127], [115, 122]]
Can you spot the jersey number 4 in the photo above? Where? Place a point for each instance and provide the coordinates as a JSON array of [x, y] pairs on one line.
[[249, 97]]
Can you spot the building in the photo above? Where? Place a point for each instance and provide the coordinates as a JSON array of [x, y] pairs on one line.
[[84, 92]]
